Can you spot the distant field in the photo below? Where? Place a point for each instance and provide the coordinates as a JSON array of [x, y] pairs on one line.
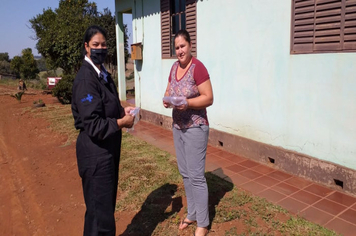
[[58, 72]]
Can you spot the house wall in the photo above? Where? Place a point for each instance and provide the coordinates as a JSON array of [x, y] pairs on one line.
[[303, 103]]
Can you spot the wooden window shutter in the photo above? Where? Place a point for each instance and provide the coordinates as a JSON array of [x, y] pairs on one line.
[[323, 26], [328, 25], [191, 24], [165, 28], [303, 26], [350, 25], [190, 21]]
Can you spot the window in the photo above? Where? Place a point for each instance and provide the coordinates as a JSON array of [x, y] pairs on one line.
[[176, 15], [323, 26]]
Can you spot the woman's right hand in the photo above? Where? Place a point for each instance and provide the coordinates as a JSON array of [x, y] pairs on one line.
[[166, 104], [126, 122]]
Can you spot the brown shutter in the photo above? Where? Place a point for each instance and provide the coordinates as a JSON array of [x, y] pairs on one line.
[[165, 29], [328, 25], [323, 26], [350, 25], [303, 25], [191, 23]]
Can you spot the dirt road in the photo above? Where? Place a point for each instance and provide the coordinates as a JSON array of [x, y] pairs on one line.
[[40, 190]]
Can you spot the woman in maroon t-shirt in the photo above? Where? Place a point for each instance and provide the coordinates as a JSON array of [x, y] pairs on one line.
[[189, 80]]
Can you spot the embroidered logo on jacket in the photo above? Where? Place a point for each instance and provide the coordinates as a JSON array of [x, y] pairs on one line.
[[87, 98]]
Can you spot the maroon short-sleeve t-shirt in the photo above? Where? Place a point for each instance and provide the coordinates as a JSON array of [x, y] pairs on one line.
[[187, 87]]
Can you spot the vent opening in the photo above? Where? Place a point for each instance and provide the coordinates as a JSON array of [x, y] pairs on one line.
[[339, 183], [221, 144], [271, 160]]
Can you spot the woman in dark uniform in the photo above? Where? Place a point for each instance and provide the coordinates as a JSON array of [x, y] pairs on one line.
[[99, 116]]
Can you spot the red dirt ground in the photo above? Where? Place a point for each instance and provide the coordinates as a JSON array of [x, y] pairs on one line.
[[40, 191]]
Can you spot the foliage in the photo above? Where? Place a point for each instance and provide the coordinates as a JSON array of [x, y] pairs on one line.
[[25, 65], [60, 33], [60, 39], [39, 101], [37, 84], [5, 67], [28, 67], [41, 64], [51, 73], [8, 81], [63, 89], [15, 65], [107, 21], [126, 44], [18, 96], [4, 56]]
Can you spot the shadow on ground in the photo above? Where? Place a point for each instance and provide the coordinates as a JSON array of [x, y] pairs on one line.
[[153, 211], [218, 187]]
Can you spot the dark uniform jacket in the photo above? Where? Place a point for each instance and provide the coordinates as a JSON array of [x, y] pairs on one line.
[[96, 108]]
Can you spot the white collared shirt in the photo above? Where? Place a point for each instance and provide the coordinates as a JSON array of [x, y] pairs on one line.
[[103, 72]]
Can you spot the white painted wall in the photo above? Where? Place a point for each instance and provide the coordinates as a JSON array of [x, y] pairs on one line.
[[305, 103]]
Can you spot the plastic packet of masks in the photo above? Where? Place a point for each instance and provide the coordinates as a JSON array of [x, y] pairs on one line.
[[135, 112], [175, 101]]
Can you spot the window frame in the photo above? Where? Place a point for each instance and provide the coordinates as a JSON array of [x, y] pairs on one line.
[[167, 46]]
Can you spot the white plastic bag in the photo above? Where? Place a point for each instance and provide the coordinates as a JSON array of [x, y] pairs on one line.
[[135, 112]]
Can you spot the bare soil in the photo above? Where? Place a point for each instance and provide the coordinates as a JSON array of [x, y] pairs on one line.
[[40, 191]]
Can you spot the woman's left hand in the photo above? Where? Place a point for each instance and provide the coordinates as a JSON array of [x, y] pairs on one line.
[[182, 107]]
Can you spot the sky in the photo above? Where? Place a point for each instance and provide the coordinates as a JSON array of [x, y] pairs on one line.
[[14, 22]]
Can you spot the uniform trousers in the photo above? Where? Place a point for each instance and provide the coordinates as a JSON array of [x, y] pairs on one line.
[[99, 173], [190, 145]]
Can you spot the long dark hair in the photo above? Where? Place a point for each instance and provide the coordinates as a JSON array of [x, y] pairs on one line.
[[89, 33]]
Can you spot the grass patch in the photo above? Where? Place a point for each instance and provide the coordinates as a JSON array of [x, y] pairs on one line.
[[9, 82], [34, 84], [151, 190]]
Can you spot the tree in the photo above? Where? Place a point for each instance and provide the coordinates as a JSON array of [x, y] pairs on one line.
[[41, 64], [126, 44], [5, 63], [60, 38], [5, 67], [28, 68], [15, 65], [107, 21], [4, 56], [60, 33]]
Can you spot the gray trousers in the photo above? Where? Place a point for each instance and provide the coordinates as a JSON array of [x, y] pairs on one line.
[[190, 145]]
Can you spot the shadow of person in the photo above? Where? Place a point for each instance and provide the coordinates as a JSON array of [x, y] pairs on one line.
[[153, 211], [218, 185]]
